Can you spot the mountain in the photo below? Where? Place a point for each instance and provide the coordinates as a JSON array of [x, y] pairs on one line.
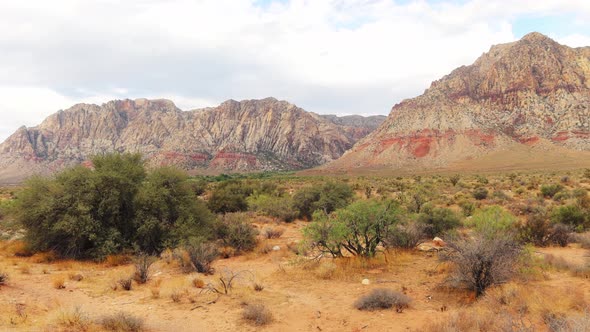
[[532, 96], [249, 135]]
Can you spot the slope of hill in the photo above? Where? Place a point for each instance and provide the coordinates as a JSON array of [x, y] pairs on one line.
[[249, 135], [533, 93]]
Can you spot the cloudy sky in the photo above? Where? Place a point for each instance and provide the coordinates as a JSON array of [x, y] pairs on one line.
[[327, 56]]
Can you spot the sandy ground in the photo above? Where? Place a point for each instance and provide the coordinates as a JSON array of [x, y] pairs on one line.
[[300, 298]]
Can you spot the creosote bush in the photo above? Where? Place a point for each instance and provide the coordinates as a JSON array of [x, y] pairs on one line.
[[437, 220], [383, 298], [551, 189], [326, 197], [480, 193]]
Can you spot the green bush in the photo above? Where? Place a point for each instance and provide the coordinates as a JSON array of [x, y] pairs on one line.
[[280, 207], [550, 190], [230, 196], [91, 213], [480, 193], [492, 219], [326, 197], [438, 220], [571, 215], [358, 228], [234, 231]]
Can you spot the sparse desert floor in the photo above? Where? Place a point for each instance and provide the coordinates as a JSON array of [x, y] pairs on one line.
[[301, 296]]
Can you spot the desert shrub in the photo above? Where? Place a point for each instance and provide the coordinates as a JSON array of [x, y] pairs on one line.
[[482, 179], [235, 231], [142, 265], [417, 198], [492, 219], [455, 179], [482, 261], [550, 190], [586, 173], [570, 215], [74, 320], [280, 207], [559, 322], [257, 314], [326, 197], [230, 196], [201, 254], [3, 278], [273, 233], [122, 322], [126, 283], [92, 213], [540, 231], [437, 220], [383, 298], [467, 207], [407, 235], [358, 228], [480, 193]]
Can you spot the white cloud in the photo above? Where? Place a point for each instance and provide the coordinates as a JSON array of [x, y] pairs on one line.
[[328, 56]]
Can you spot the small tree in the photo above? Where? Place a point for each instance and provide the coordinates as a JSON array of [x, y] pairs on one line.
[[483, 261], [358, 228], [327, 197], [437, 220]]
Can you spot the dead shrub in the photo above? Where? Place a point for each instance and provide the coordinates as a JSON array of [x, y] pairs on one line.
[[383, 298], [74, 320], [122, 322], [142, 268], [126, 283], [257, 314], [201, 255], [3, 278], [59, 282], [273, 233], [482, 261]]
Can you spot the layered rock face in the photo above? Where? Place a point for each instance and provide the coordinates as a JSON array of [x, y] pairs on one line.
[[249, 135], [533, 92]]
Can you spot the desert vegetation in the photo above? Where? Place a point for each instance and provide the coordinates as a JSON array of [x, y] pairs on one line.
[[267, 251]]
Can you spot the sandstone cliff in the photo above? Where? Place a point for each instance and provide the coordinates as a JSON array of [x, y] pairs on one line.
[[533, 92], [250, 135]]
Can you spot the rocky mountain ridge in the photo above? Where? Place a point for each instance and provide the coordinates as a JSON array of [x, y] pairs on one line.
[[532, 92], [250, 135]]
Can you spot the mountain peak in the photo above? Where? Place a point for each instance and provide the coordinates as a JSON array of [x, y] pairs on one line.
[[536, 37]]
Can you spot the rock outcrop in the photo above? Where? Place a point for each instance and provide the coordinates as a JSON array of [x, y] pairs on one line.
[[250, 135], [533, 92]]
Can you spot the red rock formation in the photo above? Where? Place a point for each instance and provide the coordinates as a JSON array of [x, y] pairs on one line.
[[530, 92]]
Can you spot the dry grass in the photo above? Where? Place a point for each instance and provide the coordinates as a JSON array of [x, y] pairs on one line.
[[74, 320], [122, 322], [383, 298], [257, 314], [58, 282]]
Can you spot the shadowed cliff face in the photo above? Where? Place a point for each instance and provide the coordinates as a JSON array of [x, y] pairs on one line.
[[532, 92], [235, 136]]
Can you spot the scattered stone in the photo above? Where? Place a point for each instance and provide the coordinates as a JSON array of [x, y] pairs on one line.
[[276, 248], [366, 282]]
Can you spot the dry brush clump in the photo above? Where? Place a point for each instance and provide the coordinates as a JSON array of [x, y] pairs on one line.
[[482, 261], [142, 265], [122, 322], [383, 298], [257, 314]]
